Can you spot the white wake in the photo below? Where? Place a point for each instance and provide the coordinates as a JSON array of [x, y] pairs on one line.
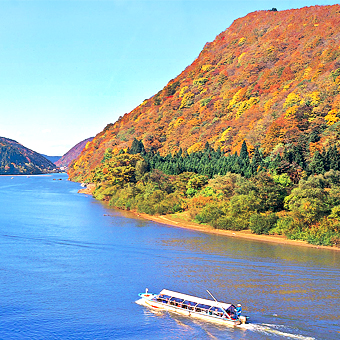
[[272, 329]]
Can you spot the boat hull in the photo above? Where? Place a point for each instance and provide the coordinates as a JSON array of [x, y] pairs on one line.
[[147, 301]]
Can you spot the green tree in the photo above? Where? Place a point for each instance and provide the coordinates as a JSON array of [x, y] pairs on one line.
[[256, 162], [317, 164], [137, 147], [244, 155], [309, 202]]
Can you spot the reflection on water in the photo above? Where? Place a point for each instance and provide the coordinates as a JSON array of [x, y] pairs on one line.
[[293, 285], [71, 269]]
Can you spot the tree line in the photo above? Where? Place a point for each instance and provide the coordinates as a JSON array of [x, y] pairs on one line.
[[283, 194]]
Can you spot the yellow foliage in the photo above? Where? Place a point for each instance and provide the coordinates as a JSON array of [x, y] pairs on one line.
[[183, 90], [245, 105], [332, 117], [195, 147], [138, 118], [291, 111], [187, 100], [242, 41], [312, 99], [270, 49], [337, 80], [115, 151], [87, 145], [206, 68], [241, 57], [225, 134], [292, 99], [307, 72], [238, 96], [239, 104]]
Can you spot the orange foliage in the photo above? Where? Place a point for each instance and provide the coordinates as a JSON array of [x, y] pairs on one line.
[[271, 77]]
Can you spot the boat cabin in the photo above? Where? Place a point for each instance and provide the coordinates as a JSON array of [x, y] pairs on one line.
[[198, 305]]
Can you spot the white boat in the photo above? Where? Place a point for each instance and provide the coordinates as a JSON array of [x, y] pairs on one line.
[[220, 312]]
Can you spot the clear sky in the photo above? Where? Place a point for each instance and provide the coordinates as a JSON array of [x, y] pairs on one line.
[[68, 68]]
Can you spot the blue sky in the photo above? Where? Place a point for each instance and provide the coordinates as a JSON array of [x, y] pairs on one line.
[[68, 68]]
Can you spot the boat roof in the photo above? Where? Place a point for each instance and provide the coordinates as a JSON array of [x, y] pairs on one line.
[[195, 299]]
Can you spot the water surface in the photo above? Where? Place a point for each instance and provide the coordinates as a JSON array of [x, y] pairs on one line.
[[71, 269]]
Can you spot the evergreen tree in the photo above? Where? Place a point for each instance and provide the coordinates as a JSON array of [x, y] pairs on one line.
[[256, 161], [274, 164], [207, 146], [137, 147], [317, 165], [287, 156], [298, 156], [333, 158], [244, 155]]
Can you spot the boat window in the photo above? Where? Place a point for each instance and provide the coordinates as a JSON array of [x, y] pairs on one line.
[[163, 298], [202, 308], [189, 304], [217, 311], [176, 301]]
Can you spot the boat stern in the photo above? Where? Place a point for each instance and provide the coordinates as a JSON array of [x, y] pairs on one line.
[[243, 319]]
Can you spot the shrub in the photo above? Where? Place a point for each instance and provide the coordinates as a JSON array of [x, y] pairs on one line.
[[262, 223], [210, 213], [323, 234]]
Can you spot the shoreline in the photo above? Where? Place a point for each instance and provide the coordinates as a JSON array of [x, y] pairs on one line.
[[245, 234], [22, 175], [174, 221]]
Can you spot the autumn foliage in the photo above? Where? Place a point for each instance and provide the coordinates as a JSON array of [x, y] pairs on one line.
[[271, 79], [16, 159]]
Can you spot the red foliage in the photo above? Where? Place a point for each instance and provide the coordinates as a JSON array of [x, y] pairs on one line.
[[241, 81]]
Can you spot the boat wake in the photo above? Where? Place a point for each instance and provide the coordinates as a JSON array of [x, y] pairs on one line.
[[273, 329], [266, 329]]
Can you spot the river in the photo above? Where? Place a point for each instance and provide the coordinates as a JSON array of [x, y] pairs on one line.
[[72, 268]]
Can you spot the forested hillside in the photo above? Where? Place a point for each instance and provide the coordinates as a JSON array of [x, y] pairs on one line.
[[271, 79], [72, 154], [15, 159], [246, 137]]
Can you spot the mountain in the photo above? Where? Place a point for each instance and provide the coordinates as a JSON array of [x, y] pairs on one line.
[[53, 159], [272, 79], [72, 153], [15, 159]]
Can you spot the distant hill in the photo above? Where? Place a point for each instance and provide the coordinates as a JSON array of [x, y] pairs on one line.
[[72, 154], [53, 159], [15, 159], [272, 79]]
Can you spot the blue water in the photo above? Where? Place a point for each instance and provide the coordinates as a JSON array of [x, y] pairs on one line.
[[72, 269]]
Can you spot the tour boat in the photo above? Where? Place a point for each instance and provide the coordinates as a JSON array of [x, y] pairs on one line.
[[188, 305]]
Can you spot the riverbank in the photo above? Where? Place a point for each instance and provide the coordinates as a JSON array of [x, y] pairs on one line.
[[180, 221]]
